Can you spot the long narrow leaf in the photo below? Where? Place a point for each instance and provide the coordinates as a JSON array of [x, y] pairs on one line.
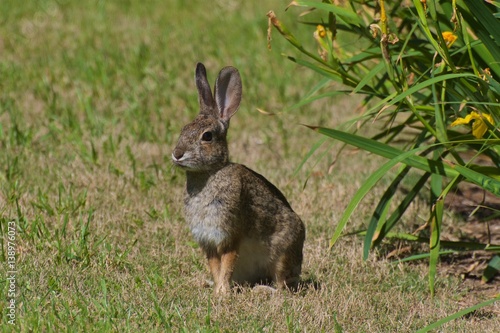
[[419, 162], [458, 246], [329, 73], [422, 256], [346, 15], [313, 149], [399, 211], [484, 25], [435, 242], [436, 221], [418, 87], [364, 189], [309, 99], [425, 27], [381, 210], [458, 315], [484, 17], [376, 70]]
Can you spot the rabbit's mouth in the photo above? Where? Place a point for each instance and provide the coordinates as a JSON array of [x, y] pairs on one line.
[[181, 161], [185, 162]]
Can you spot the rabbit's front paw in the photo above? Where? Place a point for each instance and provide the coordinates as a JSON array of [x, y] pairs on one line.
[[222, 289]]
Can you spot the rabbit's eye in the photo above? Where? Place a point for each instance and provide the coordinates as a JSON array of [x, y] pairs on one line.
[[207, 136]]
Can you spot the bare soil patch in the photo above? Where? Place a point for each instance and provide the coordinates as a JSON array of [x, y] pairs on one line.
[[481, 224]]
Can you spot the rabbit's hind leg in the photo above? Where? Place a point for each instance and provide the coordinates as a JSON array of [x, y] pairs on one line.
[[287, 271]]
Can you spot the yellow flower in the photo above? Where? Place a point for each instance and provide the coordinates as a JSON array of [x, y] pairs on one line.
[[449, 38], [479, 127], [321, 31], [320, 35]]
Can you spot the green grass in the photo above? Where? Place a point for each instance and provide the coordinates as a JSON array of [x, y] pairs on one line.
[[92, 97]]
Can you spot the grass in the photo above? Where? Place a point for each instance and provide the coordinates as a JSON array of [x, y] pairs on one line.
[[92, 98]]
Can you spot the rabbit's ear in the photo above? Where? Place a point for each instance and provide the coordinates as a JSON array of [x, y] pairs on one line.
[[228, 92], [205, 97]]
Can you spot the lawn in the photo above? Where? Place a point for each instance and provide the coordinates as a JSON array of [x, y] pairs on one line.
[[93, 95]]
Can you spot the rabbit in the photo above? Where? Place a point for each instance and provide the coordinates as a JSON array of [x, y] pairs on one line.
[[243, 223]]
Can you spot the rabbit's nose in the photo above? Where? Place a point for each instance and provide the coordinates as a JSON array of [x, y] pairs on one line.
[[177, 154]]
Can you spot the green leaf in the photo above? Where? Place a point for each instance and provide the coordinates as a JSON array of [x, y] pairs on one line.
[[329, 73], [419, 162], [336, 326], [378, 216], [487, 29], [492, 269], [422, 21], [435, 239], [376, 222], [421, 256], [456, 246], [485, 17], [313, 149], [310, 99], [364, 189], [347, 15], [399, 211], [376, 70], [457, 315], [419, 87], [485, 181]]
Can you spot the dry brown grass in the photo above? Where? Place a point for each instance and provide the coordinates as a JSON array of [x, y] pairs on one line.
[[134, 266]]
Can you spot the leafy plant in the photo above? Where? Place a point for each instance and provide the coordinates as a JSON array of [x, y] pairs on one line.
[[427, 71]]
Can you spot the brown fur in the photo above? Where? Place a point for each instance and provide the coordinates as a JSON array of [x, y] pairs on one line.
[[243, 223]]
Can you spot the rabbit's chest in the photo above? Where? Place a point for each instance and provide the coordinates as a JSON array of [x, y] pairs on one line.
[[206, 220]]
